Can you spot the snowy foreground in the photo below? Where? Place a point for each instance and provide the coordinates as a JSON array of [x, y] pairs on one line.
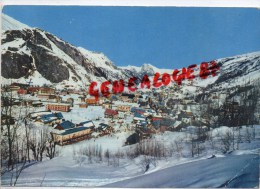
[[231, 171], [239, 168]]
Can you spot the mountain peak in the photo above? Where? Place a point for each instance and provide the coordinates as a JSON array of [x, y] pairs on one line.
[[8, 23]]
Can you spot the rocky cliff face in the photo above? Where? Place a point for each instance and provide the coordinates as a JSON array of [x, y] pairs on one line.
[[28, 52]]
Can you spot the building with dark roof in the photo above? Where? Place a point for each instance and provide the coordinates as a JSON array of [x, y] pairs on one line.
[[72, 135], [65, 125], [51, 118]]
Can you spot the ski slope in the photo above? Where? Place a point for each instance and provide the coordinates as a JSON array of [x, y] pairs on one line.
[[231, 171]]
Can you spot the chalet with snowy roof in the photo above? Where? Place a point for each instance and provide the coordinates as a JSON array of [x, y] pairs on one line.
[[58, 107], [65, 125], [50, 119], [72, 135], [109, 113], [89, 124], [35, 115]]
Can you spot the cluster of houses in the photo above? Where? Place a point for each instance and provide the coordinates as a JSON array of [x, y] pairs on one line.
[[149, 111], [66, 132]]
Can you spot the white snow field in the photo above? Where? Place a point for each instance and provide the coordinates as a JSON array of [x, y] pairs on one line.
[[236, 169], [231, 171]]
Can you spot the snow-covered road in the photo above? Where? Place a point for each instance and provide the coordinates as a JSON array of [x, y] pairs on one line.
[[230, 171]]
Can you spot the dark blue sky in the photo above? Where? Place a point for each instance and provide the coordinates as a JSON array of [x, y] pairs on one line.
[[166, 37]]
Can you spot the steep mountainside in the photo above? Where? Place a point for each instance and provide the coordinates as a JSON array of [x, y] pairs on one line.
[[43, 57], [31, 53]]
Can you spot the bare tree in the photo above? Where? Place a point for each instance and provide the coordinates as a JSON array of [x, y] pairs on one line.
[[248, 135], [51, 149], [38, 146], [107, 156], [177, 145], [226, 141]]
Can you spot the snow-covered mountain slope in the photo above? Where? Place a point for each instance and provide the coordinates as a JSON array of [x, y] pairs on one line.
[[231, 171], [148, 69], [31, 53], [9, 23], [238, 70]]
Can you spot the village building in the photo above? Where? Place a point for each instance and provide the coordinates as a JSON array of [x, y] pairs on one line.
[[35, 115], [107, 105], [17, 86], [104, 129], [51, 119], [58, 107], [14, 88], [123, 108], [22, 91], [83, 105], [65, 125], [89, 124], [33, 90], [92, 101], [46, 90], [46, 96], [163, 124], [72, 135], [109, 113]]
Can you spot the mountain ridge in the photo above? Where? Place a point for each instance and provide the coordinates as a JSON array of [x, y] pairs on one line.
[[32, 53]]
